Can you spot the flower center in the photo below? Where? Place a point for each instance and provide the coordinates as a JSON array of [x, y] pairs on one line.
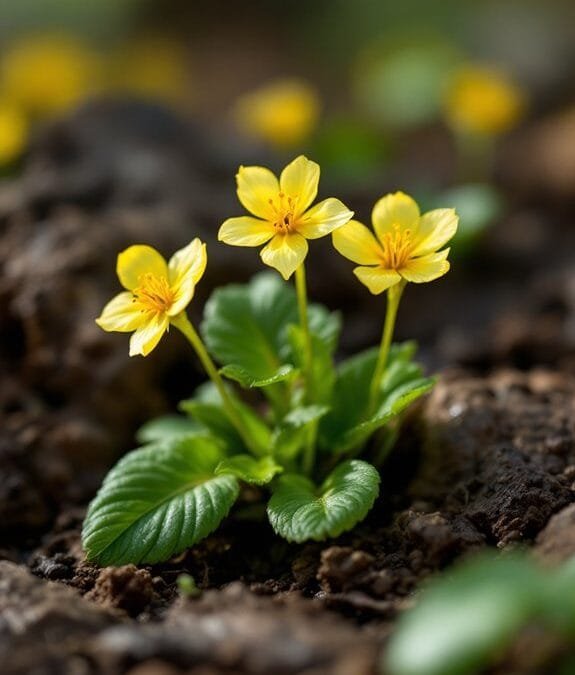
[[284, 219], [154, 293], [397, 247]]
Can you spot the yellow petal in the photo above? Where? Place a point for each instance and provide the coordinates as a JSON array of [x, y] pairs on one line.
[[377, 279], [357, 243], [300, 180], [185, 269], [394, 209], [435, 229], [121, 314], [256, 186], [285, 253], [137, 260], [323, 218], [147, 336], [246, 231], [426, 268]]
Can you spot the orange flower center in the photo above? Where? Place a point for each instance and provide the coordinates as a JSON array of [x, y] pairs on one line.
[[397, 247], [153, 294], [284, 208]]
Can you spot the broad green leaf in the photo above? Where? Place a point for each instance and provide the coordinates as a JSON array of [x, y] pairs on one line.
[[298, 510], [158, 501], [165, 428], [464, 620], [290, 435], [243, 377], [246, 326], [250, 470], [206, 408]]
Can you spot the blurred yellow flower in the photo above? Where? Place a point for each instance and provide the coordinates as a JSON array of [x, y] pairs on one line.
[[49, 73], [483, 101], [13, 131], [154, 67], [156, 293], [405, 245], [283, 113], [284, 218]]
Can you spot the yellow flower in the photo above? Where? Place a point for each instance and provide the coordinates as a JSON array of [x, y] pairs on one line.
[[283, 113], [155, 67], [284, 217], [49, 73], [483, 101], [13, 131], [156, 292], [405, 246]]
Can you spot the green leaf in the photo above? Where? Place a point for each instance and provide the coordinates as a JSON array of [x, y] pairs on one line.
[[243, 377], [158, 501], [290, 436], [246, 327], [396, 404], [299, 511], [463, 621], [250, 470], [347, 426], [165, 428], [206, 408]]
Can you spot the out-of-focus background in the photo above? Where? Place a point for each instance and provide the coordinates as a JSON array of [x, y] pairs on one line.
[[145, 109]]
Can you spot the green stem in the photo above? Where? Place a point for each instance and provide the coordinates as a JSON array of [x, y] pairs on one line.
[[301, 291], [393, 298], [183, 324]]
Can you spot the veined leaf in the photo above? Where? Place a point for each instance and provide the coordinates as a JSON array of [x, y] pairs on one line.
[[158, 501], [166, 428], [250, 470], [322, 376], [246, 326], [298, 510], [243, 377]]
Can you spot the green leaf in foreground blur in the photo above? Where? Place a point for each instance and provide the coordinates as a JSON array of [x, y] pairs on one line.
[[465, 618], [165, 428], [298, 510], [157, 501]]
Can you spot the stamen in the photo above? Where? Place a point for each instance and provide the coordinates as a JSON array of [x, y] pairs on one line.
[[153, 293]]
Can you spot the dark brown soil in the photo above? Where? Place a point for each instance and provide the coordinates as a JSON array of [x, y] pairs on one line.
[[487, 461]]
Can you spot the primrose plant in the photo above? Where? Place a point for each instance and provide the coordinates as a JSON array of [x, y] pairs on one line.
[[309, 439]]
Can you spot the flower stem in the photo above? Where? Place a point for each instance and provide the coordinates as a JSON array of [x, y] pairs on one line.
[[301, 291], [183, 324], [393, 298]]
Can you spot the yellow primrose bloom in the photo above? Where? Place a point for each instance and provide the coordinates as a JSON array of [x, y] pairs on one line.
[[484, 101], [13, 131], [284, 218], [156, 292], [283, 113], [49, 73], [405, 245]]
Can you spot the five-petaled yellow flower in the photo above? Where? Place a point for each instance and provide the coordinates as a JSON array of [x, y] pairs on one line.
[[284, 218], [156, 292], [405, 246]]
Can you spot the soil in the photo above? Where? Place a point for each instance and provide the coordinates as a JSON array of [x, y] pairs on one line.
[[488, 460]]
